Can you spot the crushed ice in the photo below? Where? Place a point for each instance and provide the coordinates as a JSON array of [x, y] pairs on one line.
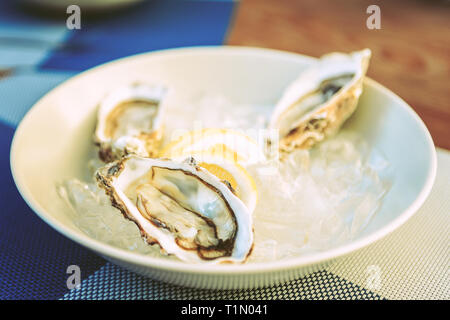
[[313, 201]]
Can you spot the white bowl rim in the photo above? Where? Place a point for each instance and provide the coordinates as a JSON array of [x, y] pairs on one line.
[[224, 269]]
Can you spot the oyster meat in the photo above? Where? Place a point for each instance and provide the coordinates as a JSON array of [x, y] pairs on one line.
[[129, 121], [180, 206], [318, 102]]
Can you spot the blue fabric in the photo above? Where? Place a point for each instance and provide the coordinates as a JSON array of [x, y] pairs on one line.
[[40, 36], [153, 25], [19, 93], [34, 258]]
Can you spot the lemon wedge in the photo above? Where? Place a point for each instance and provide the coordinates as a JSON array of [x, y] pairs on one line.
[[222, 143], [221, 152], [240, 180]]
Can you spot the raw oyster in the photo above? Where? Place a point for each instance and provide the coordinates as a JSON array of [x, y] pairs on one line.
[[185, 209], [129, 121], [318, 102]]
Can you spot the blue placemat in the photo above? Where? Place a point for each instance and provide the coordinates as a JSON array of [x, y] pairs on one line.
[[152, 25], [34, 257]]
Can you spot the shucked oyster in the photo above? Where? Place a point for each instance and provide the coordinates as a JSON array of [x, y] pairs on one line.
[[185, 209], [318, 102], [129, 121]]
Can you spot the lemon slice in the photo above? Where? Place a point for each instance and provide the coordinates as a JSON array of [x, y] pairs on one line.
[[222, 143], [239, 179], [221, 152], [220, 173]]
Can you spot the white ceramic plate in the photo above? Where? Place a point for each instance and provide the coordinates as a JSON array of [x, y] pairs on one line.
[[53, 141]]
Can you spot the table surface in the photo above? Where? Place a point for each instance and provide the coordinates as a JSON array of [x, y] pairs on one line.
[[411, 51]]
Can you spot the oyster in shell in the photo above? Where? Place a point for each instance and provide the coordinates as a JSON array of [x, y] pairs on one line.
[[129, 121], [183, 208], [318, 102]]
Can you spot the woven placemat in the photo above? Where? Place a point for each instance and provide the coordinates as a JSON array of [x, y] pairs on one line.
[[113, 282], [413, 262]]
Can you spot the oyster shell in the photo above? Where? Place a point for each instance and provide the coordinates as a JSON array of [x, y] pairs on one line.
[[318, 102], [129, 121], [185, 209]]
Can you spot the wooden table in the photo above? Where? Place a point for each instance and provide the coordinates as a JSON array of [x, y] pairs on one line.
[[410, 53]]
